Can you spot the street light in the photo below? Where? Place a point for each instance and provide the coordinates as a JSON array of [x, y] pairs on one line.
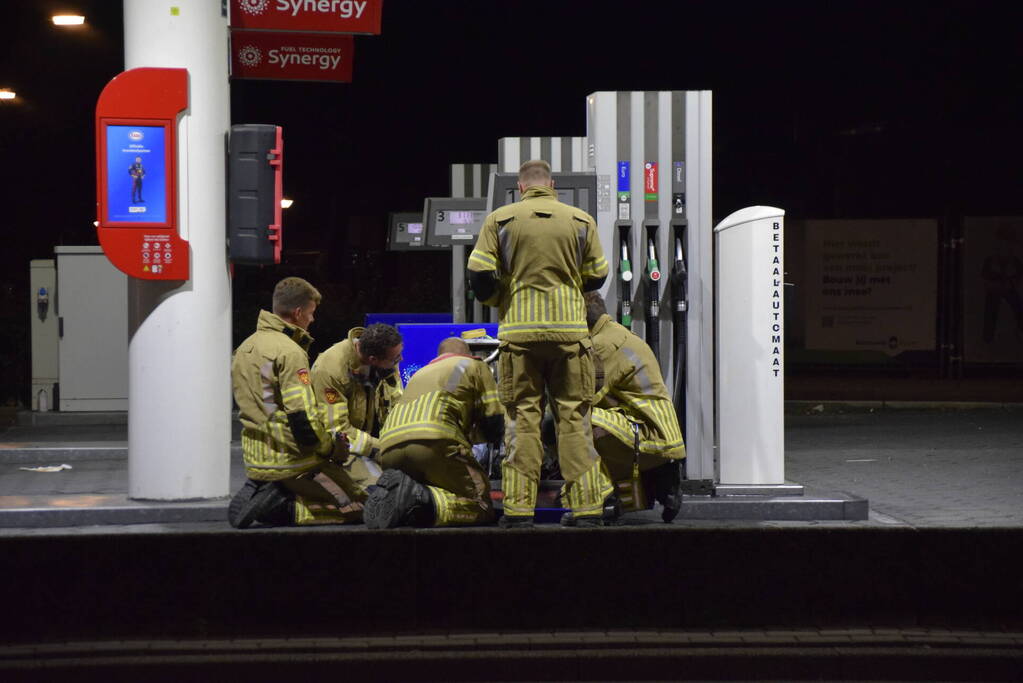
[[68, 20], [6, 94], [286, 203]]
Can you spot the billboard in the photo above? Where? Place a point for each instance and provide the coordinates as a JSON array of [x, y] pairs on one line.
[[871, 285]]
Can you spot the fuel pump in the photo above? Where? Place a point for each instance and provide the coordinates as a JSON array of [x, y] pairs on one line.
[[679, 268]]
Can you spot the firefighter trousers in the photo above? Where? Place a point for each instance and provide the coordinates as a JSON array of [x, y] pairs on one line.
[[564, 372], [458, 485], [332, 494]]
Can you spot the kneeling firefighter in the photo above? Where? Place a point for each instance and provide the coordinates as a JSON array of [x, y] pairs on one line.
[[430, 475], [290, 455]]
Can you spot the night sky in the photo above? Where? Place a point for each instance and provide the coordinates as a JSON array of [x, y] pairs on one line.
[[839, 109]]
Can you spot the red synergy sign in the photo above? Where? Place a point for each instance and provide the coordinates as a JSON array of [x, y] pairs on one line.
[[324, 16], [292, 56]]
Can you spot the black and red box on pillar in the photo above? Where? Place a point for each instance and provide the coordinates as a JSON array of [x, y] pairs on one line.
[[255, 188], [136, 173]]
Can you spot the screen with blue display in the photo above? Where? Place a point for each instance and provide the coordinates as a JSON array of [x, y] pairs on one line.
[[136, 174], [421, 342]]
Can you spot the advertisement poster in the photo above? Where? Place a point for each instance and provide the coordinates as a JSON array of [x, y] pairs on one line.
[[993, 289], [871, 285], [136, 174]]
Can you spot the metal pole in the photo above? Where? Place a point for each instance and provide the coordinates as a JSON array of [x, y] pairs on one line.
[[179, 350]]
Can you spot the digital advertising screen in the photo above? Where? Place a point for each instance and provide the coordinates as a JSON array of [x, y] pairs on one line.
[[136, 174]]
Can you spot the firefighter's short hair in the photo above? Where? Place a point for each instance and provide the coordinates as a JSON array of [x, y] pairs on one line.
[[377, 339], [294, 292], [534, 172]]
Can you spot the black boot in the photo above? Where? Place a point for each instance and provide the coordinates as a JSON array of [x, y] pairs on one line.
[[398, 500], [667, 488], [611, 515], [260, 501]]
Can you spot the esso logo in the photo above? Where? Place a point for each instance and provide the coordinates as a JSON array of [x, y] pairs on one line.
[[135, 135]]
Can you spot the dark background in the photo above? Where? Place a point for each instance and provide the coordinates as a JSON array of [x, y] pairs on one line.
[[829, 110]]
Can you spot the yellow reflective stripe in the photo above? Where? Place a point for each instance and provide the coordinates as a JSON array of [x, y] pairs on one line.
[[441, 503], [484, 261], [360, 442], [559, 326], [594, 268], [431, 427]]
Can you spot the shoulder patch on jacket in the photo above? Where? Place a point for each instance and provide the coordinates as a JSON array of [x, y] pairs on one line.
[[331, 395], [303, 376]]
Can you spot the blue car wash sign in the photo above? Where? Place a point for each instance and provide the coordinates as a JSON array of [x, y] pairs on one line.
[[136, 174]]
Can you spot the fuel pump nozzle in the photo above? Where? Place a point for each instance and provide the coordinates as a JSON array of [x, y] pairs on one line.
[[653, 294], [626, 275], [679, 300]]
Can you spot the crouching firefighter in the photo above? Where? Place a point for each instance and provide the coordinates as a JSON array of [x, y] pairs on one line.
[[430, 475], [635, 427], [290, 456]]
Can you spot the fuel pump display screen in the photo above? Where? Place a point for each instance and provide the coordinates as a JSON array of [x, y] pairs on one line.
[[453, 220], [459, 225], [461, 217], [136, 170], [407, 232]]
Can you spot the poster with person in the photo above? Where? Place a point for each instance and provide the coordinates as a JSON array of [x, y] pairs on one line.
[[136, 174]]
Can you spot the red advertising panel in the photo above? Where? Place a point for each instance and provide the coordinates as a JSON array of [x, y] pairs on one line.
[[136, 173], [292, 56], [321, 16]]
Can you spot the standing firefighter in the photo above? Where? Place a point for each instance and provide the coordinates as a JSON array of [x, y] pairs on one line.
[[431, 477], [289, 453], [634, 422], [356, 383], [533, 261]]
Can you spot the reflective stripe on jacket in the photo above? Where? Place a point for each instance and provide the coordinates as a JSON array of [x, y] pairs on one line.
[[542, 252], [270, 379], [445, 399], [633, 385]]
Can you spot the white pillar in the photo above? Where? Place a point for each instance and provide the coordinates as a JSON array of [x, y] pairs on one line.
[[179, 395], [751, 345]]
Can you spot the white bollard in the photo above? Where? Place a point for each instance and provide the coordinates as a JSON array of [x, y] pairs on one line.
[[750, 358]]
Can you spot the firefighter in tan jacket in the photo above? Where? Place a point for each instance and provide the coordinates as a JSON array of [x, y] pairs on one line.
[[289, 453], [533, 260], [430, 475], [356, 383], [635, 427]]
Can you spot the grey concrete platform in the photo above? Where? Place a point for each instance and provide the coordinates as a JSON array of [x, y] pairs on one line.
[[918, 466]]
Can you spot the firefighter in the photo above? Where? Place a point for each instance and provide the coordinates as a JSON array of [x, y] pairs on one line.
[[356, 382], [635, 428], [533, 261], [430, 475], [290, 455]]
